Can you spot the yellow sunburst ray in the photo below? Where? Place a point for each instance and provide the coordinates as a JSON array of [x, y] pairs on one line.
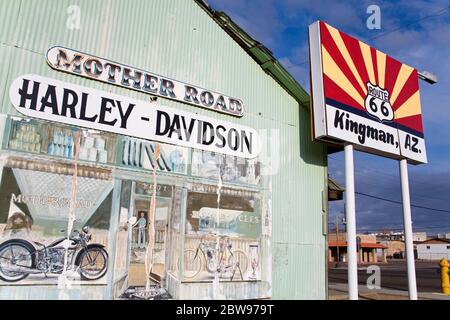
[[343, 50], [381, 66], [410, 107], [403, 75], [332, 70], [365, 50]]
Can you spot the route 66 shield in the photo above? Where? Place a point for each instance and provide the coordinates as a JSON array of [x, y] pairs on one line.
[[377, 103]]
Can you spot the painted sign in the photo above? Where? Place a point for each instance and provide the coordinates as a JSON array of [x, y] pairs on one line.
[[33, 211], [89, 66], [162, 190], [53, 100], [137, 153], [363, 96], [237, 216]]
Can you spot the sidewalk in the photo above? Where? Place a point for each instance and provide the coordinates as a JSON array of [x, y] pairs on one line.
[[338, 291]]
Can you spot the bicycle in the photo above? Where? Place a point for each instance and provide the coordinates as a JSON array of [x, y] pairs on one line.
[[216, 257]]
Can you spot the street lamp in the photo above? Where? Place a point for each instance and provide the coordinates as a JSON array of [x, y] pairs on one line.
[[428, 77]]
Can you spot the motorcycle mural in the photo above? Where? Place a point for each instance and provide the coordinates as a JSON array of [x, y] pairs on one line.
[[19, 257]]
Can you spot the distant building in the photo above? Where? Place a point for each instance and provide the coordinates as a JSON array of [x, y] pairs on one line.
[[395, 249], [390, 236], [419, 236], [366, 254], [433, 249]]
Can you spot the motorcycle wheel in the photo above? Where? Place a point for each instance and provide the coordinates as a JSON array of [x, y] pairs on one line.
[[97, 267], [15, 254]]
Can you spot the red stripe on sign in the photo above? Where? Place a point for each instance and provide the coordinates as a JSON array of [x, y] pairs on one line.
[[333, 91], [413, 122], [336, 55], [355, 52], [391, 73], [373, 53]]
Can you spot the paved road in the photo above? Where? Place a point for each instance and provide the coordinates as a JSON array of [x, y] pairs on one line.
[[394, 276]]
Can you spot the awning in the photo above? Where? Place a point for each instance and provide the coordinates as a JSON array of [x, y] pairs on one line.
[[367, 245], [335, 191]]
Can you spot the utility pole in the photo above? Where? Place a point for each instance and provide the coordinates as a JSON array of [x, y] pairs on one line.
[[336, 227]]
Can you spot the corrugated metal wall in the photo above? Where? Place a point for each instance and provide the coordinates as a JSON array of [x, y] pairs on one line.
[[179, 40]]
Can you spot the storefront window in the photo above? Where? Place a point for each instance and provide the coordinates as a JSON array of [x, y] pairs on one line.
[[139, 154], [206, 164], [222, 235], [35, 202], [174, 240], [58, 141], [122, 241]]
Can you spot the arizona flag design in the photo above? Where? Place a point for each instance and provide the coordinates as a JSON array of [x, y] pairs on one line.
[[364, 96]]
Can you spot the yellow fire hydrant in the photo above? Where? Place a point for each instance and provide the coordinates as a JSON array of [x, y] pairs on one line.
[[445, 282]]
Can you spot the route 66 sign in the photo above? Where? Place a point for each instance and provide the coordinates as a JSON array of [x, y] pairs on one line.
[[377, 103], [362, 96]]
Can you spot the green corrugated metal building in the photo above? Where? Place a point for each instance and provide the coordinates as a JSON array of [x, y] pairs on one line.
[[190, 42]]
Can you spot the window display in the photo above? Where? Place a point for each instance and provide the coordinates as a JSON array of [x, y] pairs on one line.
[[139, 232], [139, 153], [34, 208], [201, 233], [25, 136], [58, 141], [222, 236], [209, 165], [122, 237]]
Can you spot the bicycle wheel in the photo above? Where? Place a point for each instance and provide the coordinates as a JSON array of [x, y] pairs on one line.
[[239, 263], [192, 264]]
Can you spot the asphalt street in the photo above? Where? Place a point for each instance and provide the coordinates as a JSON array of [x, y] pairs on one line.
[[394, 275]]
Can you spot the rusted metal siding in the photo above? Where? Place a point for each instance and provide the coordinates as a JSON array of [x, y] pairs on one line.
[[179, 40]]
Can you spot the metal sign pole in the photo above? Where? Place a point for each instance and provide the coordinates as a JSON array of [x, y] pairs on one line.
[[407, 224], [351, 223]]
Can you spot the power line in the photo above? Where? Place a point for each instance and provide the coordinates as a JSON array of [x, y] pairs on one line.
[[433, 15], [394, 178], [390, 175], [401, 228], [437, 14], [416, 229], [398, 202]]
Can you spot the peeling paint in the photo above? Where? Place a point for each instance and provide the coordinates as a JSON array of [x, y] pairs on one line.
[[151, 223], [73, 198], [216, 283], [63, 281]]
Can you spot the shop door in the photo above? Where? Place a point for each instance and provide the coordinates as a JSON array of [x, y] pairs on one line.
[[139, 250]]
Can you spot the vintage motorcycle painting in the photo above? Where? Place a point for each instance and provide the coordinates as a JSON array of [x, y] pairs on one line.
[[19, 257]]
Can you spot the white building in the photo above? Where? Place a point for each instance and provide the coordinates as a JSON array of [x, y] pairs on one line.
[[419, 236], [433, 249]]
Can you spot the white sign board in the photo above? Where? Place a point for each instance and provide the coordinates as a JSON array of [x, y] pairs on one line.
[[53, 100], [364, 97]]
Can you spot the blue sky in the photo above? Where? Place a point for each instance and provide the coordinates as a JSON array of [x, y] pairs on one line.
[[420, 41]]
